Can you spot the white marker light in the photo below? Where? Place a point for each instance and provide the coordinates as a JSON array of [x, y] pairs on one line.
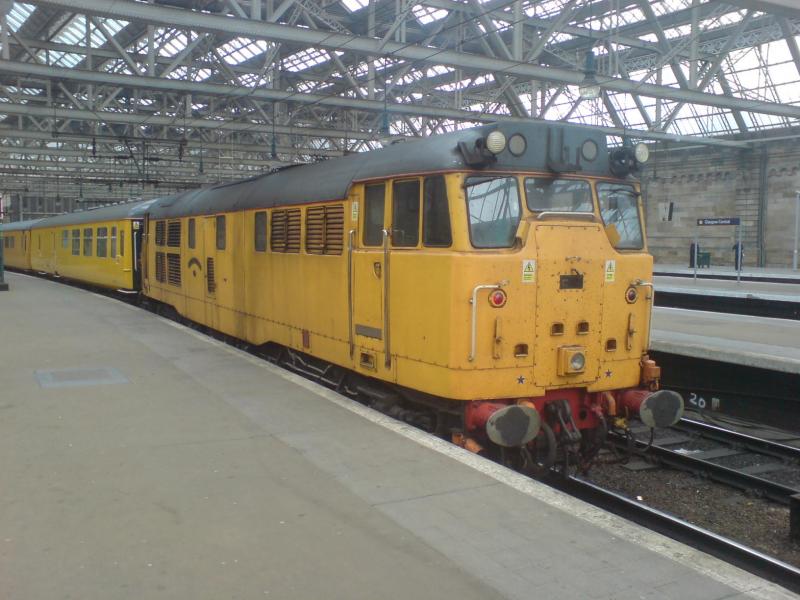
[[641, 152], [577, 362], [496, 142]]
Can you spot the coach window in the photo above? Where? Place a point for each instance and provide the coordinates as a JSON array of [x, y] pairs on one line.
[[405, 213], [113, 253], [122, 242], [87, 241], [64, 239], [260, 233], [76, 242], [619, 207], [102, 242], [191, 234], [374, 204], [435, 213], [494, 211], [221, 232]]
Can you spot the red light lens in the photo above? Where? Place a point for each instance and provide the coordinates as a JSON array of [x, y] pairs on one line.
[[497, 298], [631, 295]]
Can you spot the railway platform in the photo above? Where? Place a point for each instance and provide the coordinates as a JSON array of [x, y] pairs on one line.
[[141, 459], [758, 298], [762, 274], [742, 340]]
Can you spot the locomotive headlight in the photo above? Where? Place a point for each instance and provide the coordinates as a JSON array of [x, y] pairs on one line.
[[641, 152], [631, 295], [496, 142], [577, 362]]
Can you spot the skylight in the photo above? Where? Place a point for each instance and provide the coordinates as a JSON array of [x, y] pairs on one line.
[[354, 5], [427, 14], [240, 50], [19, 14]]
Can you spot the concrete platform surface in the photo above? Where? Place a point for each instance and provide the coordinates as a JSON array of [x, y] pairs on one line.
[[739, 339], [726, 272], [749, 290], [139, 459]]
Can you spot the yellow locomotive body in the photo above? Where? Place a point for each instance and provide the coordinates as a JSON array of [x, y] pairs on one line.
[[514, 283]]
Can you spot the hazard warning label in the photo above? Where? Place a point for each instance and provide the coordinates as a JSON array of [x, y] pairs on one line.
[[528, 271], [611, 271]]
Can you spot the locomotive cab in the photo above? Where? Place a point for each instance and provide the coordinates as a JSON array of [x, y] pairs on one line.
[[517, 284]]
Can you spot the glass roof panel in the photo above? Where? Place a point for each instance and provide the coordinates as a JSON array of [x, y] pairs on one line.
[[19, 14]]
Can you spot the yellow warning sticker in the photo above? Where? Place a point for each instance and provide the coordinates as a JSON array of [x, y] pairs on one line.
[[528, 271], [354, 211], [611, 271]]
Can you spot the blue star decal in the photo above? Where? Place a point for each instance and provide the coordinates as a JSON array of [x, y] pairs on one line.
[[520, 379], [608, 373]]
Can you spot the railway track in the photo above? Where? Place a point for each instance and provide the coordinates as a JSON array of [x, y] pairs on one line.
[[764, 467], [726, 549]]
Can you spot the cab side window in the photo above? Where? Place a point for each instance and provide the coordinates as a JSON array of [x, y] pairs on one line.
[[405, 213], [374, 196], [76, 242], [436, 214]]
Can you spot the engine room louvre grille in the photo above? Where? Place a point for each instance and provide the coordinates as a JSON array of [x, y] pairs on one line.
[[278, 231], [174, 234], [293, 227], [211, 283], [174, 273], [325, 229], [160, 227], [160, 267], [315, 230]]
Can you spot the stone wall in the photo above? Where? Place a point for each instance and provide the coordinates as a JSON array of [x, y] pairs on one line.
[[722, 182]]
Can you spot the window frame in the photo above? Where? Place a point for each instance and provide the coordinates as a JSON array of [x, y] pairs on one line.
[[220, 219], [104, 238], [261, 249], [395, 183], [425, 181], [637, 193], [88, 241], [586, 182], [515, 178], [364, 217]]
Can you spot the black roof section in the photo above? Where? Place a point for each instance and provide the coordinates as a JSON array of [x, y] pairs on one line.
[[546, 143]]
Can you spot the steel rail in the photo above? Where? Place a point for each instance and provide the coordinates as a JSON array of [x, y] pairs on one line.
[[773, 490], [746, 558], [720, 434]]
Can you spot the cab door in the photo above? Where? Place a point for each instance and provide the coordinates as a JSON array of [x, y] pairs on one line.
[[369, 281]]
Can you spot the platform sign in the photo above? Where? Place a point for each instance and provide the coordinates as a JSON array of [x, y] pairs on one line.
[[719, 221]]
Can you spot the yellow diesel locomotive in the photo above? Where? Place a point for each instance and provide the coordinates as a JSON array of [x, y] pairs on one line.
[[497, 277], [492, 285]]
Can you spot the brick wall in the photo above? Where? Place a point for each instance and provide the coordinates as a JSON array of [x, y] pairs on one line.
[[722, 182]]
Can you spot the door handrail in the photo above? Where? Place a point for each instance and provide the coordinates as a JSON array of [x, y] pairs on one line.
[[474, 301], [386, 341], [350, 237]]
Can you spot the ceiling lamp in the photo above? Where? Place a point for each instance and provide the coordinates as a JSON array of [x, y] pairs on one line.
[[589, 88]]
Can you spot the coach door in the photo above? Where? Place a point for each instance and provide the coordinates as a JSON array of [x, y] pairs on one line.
[[210, 270], [370, 281]]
